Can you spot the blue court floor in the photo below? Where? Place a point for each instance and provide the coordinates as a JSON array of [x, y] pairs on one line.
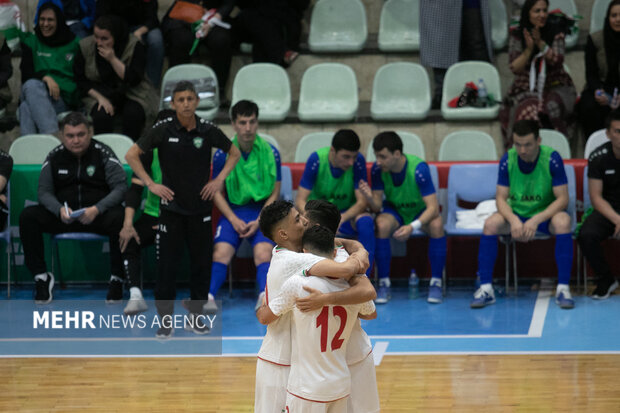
[[529, 322]]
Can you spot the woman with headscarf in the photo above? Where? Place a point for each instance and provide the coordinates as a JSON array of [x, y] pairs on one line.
[[602, 72], [48, 87], [541, 90], [109, 71]]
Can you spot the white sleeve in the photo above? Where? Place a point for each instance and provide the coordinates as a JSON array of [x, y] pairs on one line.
[[367, 308], [285, 301], [306, 261]]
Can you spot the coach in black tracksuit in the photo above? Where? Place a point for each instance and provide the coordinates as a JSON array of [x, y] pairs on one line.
[[84, 174], [184, 142]]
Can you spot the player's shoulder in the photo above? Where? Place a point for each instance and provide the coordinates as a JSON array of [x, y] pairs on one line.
[[600, 152]]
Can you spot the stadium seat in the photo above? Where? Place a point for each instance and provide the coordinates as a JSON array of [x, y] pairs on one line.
[[71, 236], [204, 81], [457, 76], [337, 26], [597, 18], [569, 8], [32, 149], [467, 146], [400, 91], [119, 143], [399, 26], [6, 236], [311, 143], [267, 85], [594, 141], [499, 23], [328, 94], [412, 144], [270, 139], [557, 141]]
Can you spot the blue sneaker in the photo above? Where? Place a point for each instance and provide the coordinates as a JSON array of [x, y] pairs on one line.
[[435, 293], [482, 298], [383, 294], [564, 300]]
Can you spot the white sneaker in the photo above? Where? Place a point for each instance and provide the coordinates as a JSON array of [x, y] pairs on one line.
[[135, 306], [210, 306]]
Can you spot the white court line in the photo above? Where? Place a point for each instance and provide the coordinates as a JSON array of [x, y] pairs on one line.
[[539, 314], [379, 351]]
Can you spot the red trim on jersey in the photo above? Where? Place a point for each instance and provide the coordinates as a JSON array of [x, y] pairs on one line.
[[316, 401], [272, 362]]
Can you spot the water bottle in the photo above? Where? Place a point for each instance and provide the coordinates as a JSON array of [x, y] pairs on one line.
[[615, 101], [483, 96], [414, 285]]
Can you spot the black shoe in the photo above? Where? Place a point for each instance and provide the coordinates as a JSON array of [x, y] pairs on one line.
[[164, 332], [115, 292], [604, 288], [43, 290], [198, 323]]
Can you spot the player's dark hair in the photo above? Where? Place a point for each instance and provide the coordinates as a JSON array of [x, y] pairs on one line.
[[184, 86], [318, 240], [74, 119], [389, 140], [614, 115], [323, 213], [271, 215], [243, 108], [524, 127], [346, 139]]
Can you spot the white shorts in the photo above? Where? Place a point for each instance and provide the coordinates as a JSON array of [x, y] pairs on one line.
[[364, 395], [295, 404], [270, 391]]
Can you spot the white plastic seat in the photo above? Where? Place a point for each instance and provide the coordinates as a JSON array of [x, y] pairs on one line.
[[597, 18], [557, 141], [267, 85], [569, 8], [467, 146], [499, 23], [311, 143], [119, 143], [270, 139], [412, 145], [594, 141], [337, 26], [32, 149], [328, 94], [400, 91], [399, 27], [457, 76], [205, 82]]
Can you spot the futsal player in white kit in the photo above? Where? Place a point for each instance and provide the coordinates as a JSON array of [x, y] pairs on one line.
[[282, 223], [319, 379]]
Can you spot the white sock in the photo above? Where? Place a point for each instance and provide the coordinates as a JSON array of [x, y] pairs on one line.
[[562, 287], [488, 287], [211, 297], [42, 277], [115, 278], [385, 282], [135, 293]]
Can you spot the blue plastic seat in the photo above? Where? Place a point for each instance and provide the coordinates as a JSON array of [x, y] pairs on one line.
[[400, 91], [399, 27], [337, 26]]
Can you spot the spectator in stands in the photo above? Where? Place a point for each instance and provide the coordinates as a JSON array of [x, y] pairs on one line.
[[604, 220], [184, 143], [141, 17], [6, 167], [450, 34], [109, 71], [48, 86], [541, 90], [602, 73], [273, 27], [79, 14], [410, 203], [135, 236], [81, 187], [333, 173], [179, 38], [6, 71], [253, 183], [532, 195]]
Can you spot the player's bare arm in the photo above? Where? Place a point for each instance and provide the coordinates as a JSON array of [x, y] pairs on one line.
[[360, 292]]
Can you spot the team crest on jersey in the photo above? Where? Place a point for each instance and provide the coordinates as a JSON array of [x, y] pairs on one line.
[[69, 57], [90, 170], [198, 142]]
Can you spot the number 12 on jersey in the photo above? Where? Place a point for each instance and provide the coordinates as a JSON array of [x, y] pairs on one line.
[[322, 322]]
